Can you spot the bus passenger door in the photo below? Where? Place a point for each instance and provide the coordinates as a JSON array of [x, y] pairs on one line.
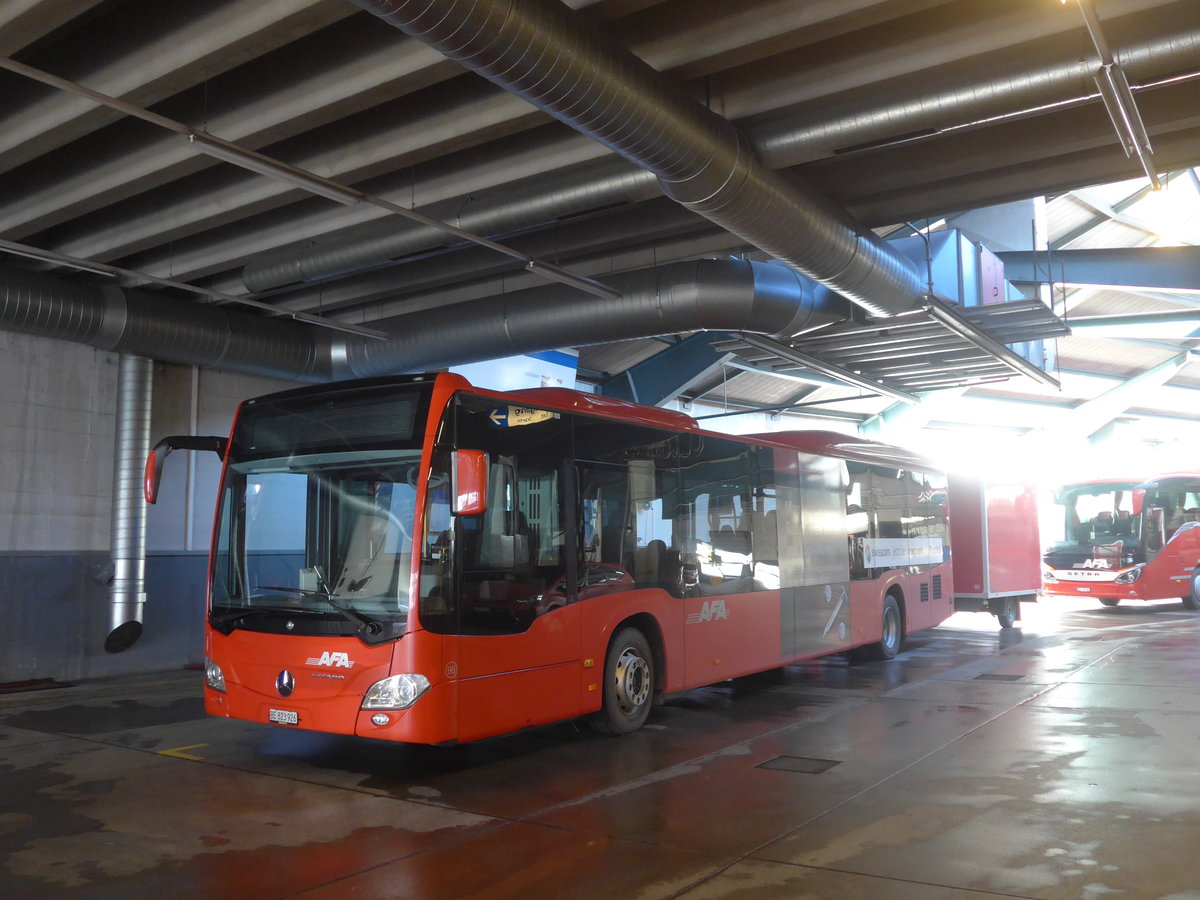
[[515, 650]]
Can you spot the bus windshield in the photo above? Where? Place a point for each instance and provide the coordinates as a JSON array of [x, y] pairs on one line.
[[326, 534], [1097, 513]]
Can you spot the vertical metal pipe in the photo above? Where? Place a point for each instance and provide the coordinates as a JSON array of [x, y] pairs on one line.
[[127, 595], [189, 500]]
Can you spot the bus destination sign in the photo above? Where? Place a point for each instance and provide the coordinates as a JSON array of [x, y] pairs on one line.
[[516, 416]]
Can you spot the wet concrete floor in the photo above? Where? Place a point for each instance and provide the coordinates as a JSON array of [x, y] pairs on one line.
[[1060, 759]]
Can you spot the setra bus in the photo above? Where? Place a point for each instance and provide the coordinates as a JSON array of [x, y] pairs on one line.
[[419, 560], [1127, 539]]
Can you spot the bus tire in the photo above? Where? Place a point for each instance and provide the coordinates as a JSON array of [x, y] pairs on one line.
[[893, 630], [1191, 600], [1110, 601], [1008, 612], [628, 684]]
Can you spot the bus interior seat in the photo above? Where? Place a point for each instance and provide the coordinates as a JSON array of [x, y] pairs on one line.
[[648, 562], [371, 559]]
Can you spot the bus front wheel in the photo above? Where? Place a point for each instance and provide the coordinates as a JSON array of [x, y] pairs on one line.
[[1110, 601], [628, 684]]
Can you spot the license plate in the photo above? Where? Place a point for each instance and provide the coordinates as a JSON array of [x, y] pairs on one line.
[[284, 716], [1084, 590]]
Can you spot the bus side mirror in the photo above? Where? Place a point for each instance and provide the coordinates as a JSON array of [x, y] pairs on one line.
[[470, 468], [154, 462]]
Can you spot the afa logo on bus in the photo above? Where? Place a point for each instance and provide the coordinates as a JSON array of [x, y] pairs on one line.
[[709, 610], [332, 658]]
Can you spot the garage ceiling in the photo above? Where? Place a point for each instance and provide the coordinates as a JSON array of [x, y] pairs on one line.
[[897, 111]]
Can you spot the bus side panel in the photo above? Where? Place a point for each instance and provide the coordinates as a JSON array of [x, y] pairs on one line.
[[511, 681], [496, 704], [865, 600], [730, 635], [928, 598], [601, 617], [1170, 573], [823, 619]]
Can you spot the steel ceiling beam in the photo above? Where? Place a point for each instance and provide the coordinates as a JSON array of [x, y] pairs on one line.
[[669, 373], [1090, 416], [1164, 268]]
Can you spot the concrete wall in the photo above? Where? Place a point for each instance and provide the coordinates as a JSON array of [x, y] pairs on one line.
[[57, 433]]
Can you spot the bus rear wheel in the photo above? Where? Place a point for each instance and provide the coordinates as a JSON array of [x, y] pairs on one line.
[[1191, 600], [893, 630], [1110, 601], [628, 684]]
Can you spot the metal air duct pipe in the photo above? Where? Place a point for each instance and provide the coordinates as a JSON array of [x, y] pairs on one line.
[[152, 325], [540, 51], [703, 294], [1019, 83], [510, 208], [127, 593]]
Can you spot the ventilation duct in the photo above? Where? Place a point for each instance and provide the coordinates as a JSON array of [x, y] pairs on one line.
[[539, 51], [508, 209], [705, 294], [1017, 85], [725, 295], [151, 325], [1020, 81], [127, 593]]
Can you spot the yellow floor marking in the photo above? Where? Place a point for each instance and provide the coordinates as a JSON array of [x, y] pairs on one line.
[[179, 754]]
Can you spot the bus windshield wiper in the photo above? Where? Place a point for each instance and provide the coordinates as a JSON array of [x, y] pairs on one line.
[[236, 615], [228, 618], [367, 624]]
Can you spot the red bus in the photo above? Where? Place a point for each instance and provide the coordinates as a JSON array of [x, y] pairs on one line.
[[418, 560], [1127, 539]]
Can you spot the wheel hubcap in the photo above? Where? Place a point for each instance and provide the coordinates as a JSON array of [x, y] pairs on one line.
[[633, 681], [891, 629]]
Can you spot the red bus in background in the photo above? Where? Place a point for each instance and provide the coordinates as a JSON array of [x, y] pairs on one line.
[[1127, 539], [418, 560]]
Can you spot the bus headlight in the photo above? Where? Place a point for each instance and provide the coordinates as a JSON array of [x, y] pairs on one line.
[[213, 676], [397, 692], [1129, 577], [1048, 577]]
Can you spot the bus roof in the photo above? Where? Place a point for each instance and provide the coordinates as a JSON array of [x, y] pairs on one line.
[[848, 446], [607, 407], [1174, 476], [1113, 481], [824, 443]]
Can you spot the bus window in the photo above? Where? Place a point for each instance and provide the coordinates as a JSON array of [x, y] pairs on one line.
[[727, 504], [437, 611], [896, 519], [628, 530], [511, 557]]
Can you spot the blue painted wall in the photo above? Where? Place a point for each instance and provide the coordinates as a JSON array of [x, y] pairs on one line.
[[55, 616]]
